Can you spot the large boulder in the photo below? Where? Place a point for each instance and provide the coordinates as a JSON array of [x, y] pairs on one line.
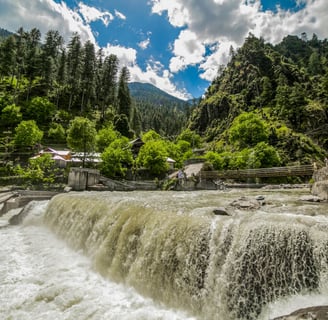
[[320, 186]]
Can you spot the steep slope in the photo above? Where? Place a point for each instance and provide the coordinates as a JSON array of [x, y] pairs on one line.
[[279, 85]]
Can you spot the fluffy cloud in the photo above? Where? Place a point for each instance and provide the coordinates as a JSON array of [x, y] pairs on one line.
[[126, 56], [228, 22], [187, 50], [144, 44], [51, 15], [120, 15], [160, 77], [92, 14]]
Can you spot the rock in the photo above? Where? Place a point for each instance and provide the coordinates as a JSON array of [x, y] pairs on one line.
[[259, 198], [310, 198], [311, 313], [244, 203], [67, 189], [320, 189], [221, 212]]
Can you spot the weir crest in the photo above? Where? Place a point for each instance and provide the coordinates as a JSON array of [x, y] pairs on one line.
[[215, 267]]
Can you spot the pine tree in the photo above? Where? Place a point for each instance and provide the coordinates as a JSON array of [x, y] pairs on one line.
[[74, 67], [88, 74], [123, 95]]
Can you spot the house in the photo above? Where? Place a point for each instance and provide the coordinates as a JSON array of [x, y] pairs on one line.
[[171, 163], [61, 157]]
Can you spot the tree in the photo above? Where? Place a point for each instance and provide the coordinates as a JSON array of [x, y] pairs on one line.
[[108, 81], [41, 110], [123, 95], [192, 137], [39, 170], [32, 57], [74, 55], [151, 135], [11, 116], [57, 132], [81, 136], [7, 57], [106, 136], [88, 73], [117, 157], [121, 124], [247, 130], [27, 134], [153, 155], [49, 55]]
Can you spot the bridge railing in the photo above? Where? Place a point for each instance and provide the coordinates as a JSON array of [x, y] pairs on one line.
[[302, 170]]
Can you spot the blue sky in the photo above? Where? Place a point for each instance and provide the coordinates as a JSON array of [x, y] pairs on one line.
[[177, 45]]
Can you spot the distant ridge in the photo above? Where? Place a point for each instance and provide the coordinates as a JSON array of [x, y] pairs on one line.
[[149, 93]]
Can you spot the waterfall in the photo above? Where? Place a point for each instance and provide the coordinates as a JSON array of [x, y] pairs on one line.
[[174, 250]]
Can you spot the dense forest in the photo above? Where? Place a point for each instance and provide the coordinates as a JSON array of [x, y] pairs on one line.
[[267, 107], [268, 100]]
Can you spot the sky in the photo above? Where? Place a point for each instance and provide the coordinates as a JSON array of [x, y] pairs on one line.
[[176, 45]]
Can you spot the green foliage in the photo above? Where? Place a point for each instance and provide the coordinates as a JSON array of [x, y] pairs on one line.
[[39, 170], [151, 135], [247, 130], [106, 136], [41, 110], [81, 135], [27, 134], [264, 156], [116, 158], [190, 136], [57, 132], [11, 116], [153, 155]]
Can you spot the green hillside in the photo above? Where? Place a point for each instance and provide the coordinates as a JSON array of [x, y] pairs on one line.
[[282, 87]]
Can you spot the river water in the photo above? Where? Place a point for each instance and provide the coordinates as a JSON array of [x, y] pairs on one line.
[[175, 267]]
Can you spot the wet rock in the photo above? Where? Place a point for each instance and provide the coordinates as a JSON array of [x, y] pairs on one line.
[[320, 186], [320, 189], [246, 204], [220, 211], [311, 313], [259, 198]]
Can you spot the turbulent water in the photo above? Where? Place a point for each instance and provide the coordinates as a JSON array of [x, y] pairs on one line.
[[165, 255]]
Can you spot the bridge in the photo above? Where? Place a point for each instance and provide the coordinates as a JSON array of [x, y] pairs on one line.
[[292, 171]]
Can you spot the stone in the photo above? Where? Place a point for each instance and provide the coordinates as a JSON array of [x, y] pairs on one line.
[[220, 211], [244, 203], [320, 189]]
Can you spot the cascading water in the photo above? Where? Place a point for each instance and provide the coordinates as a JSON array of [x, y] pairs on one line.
[[171, 247]]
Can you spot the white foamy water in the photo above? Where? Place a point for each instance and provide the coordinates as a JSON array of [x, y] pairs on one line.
[[41, 278], [170, 248]]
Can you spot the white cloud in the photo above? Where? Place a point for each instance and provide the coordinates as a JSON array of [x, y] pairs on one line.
[[187, 50], [120, 15], [50, 15], [92, 14], [126, 56], [229, 22], [144, 44], [159, 77]]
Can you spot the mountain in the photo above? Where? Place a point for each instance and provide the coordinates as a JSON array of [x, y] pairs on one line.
[[4, 33], [158, 110], [150, 93], [284, 87]]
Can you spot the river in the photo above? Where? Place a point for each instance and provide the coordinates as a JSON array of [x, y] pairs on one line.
[[168, 263]]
